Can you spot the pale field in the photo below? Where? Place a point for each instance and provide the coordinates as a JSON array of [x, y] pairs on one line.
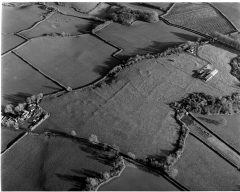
[[61, 24]]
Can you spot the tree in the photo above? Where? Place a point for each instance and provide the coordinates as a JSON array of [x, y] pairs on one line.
[[172, 172], [93, 139], [19, 108], [106, 175], [9, 109], [131, 155], [92, 181], [39, 98]]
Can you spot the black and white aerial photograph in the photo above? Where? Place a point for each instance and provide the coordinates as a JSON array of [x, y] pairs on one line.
[[120, 96]]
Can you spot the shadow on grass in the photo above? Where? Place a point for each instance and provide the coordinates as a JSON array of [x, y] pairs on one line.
[[110, 63], [16, 98], [82, 28]]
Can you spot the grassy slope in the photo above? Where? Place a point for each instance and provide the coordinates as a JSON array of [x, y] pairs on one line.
[[16, 19], [134, 179], [201, 169], [74, 61], [142, 38], [61, 24], [49, 163]]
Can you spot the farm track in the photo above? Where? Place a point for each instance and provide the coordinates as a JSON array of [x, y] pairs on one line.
[[203, 134], [215, 135]]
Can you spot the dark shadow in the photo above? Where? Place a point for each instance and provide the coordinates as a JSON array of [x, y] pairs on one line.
[[83, 28], [16, 98], [110, 63], [87, 173], [53, 88], [79, 182], [155, 47], [185, 37]]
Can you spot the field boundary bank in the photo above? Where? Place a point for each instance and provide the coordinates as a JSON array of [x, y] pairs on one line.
[[25, 133], [39, 71]]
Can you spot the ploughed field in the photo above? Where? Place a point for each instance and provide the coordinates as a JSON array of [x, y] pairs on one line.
[[50, 47], [201, 17]]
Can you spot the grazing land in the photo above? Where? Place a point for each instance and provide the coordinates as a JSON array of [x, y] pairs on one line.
[[40, 154], [213, 172], [204, 18], [142, 38], [19, 18], [10, 41], [77, 60], [60, 24], [21, 80], [129, 181]]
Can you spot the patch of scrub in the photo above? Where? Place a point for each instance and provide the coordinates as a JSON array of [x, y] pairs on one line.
[[210, 171], [59, 24], [138, 180], [10, 41], [73, 61], [142, 38], [19, 80], [20, 18]]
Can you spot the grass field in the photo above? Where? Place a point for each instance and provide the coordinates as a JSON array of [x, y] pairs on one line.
[[220, 59], [204, 18], [142, 37], [61, 24], [17, 18], [231, 10], [51, 163], [135, 179], [132, 111], [73, 61], [21, 80], [10, 41], [227, 127], [7, 136], [210, 171]]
